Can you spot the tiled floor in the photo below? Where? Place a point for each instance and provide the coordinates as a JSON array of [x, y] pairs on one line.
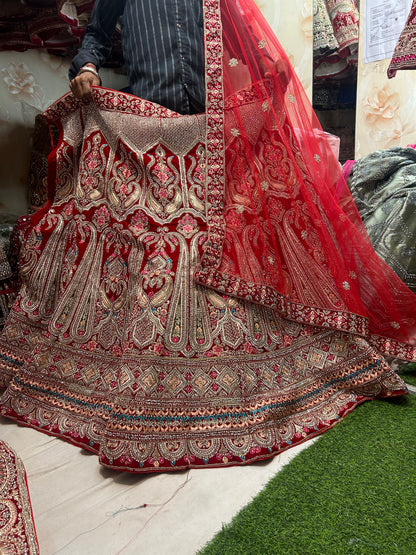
[[81, 509]]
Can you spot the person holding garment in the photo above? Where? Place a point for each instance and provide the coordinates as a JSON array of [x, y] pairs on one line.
[[199, 290]]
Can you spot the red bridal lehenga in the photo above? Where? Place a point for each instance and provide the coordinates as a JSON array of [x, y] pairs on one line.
[[199, 291]]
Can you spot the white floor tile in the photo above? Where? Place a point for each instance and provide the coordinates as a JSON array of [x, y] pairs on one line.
[[82, 508]]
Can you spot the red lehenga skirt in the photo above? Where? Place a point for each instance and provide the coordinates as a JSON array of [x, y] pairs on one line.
[[113, 347]]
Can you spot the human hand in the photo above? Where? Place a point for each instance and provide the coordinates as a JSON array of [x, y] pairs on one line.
[[82, 83], [280, 69]]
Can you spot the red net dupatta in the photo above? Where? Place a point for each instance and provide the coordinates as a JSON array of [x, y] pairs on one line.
[[283, 228]]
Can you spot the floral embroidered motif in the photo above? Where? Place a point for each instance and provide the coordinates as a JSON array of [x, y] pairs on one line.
[[188, 226], [101, 217]]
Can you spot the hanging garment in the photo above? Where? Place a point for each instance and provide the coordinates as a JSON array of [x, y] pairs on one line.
[[200, 290], [335, 37], [56, 25], [324, 40], [25, 25], [404, 56]]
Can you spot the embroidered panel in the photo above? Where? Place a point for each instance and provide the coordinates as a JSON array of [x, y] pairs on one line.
[[113, 346], [404, 56], [17, 530], [335, 37]]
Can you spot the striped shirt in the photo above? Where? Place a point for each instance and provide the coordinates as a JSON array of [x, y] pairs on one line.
[[163, 48]]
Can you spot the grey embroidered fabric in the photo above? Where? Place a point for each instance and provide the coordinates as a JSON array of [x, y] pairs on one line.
[[383, 185]]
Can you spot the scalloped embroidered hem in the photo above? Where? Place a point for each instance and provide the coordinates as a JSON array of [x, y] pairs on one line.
[[169, 438]]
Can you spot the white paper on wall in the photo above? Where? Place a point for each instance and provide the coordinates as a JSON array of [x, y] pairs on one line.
[[384, 21]]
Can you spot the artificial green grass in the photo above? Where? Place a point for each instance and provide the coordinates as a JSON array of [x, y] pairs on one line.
[[408, 373], [353, 491]]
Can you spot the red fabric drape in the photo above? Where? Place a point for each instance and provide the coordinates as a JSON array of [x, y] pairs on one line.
[[284, 230]]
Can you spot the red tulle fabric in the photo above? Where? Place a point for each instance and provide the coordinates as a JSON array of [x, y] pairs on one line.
[[283, 228]]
